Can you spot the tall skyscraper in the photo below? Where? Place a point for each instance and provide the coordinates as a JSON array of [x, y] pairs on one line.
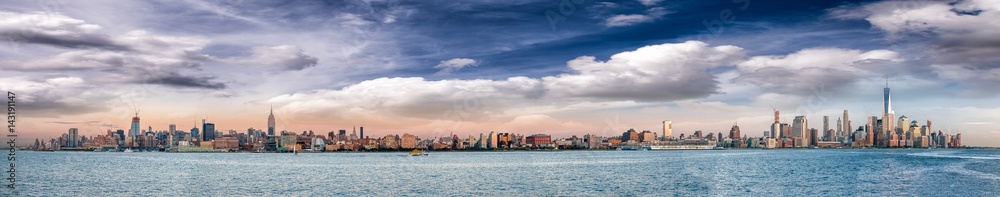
[[776, 126], [668, 129], [826, 124], [887, 98], [172, 128], [74, 137], [270, 122], [847, 126], [362, 131], [135, 125]]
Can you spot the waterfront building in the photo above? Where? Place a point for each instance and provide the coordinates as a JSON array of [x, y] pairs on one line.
[[647, 136], [668, 129], [408, 141], [208, 130], [800, 127], [734, 132], [540, 140], [630, 136]]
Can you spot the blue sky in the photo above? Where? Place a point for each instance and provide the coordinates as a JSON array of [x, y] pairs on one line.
[[563, 67]]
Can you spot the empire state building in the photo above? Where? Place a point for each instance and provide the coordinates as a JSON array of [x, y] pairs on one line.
[[270, 122]]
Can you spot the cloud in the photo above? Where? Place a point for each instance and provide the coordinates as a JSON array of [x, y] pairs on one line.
[[649, 2], [412, 98], [54, 96], [664, 72], [448, 66], [622, 20], [137, 56], [958, 36], [817, 69], [286, 57], [177, 80], [52, 29]]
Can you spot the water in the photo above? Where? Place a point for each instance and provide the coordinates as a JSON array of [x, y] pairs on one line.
[[568, 173]]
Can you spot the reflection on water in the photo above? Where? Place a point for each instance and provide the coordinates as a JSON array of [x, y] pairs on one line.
[[685, 173]]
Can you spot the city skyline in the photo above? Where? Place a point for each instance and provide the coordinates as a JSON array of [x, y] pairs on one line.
[[510, 67]]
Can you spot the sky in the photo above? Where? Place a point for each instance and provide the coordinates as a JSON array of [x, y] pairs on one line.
[[437, 68]]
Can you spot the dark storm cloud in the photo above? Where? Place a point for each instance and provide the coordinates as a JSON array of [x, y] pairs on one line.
[[177, 80]]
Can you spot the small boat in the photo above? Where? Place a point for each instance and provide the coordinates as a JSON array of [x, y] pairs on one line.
[[129, 150], [417, 152]]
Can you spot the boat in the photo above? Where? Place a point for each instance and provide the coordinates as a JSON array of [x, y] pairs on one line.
[[128, 150], [417, 152]]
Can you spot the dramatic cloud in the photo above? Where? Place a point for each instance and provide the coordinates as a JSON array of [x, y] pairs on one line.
[[137, 56], [960, 36], [448, 66], [664, 72], [52, 29], [810, 70]]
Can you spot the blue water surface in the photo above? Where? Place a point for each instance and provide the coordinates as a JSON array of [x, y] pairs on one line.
[[802, 172]]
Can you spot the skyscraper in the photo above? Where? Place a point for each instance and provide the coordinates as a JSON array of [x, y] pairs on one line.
[[847, 126], [135, 125], [209, 131], [826, 126], [270, 122], [776, 126], [172, 128], [667, 129], [800, 127], [887, 101], [902, 125], [74, 137], [734, 132]]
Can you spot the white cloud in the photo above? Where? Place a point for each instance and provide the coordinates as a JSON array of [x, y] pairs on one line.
[[626, 20], [448, 66], [810, 70], [621, 20], [662, 72]]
